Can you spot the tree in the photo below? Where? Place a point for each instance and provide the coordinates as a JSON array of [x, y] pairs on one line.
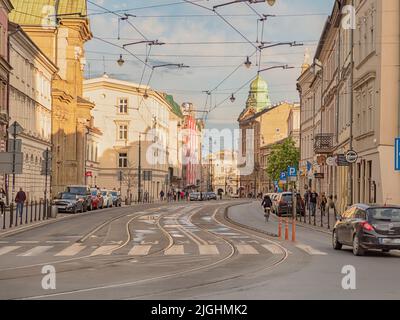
[[283, 155]]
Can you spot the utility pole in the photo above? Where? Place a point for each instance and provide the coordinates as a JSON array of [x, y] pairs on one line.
[[140, 169], [350, 177]]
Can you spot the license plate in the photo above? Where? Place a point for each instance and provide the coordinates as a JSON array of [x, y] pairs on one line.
[[391, 241]]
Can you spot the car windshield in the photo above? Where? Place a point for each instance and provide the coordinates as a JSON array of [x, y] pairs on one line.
[[77, 190], [104, 193], [67, 196], [94, 193], [114, 194], [287, 197], [384, 215]]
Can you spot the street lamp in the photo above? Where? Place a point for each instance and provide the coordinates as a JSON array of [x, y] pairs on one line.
[[270, 2], [149, 42], [179, 65], [120, 61], [233, 99], [284, 67], [247, 63], [292, 44]]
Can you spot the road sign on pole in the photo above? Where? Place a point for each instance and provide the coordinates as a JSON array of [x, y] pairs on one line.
[[283, 177], [6, 162], [15, 129], [397, 154]]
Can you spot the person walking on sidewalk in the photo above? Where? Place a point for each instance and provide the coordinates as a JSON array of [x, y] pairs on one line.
[[267, 204], [20, 199], [323, 203], [313, 202], [307, 200], [332, 205], [2, 200]]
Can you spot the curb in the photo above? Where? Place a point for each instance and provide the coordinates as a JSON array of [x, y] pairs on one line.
[[316, 228], [273, 235]]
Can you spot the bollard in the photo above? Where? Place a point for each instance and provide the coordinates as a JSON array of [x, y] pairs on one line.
[[34, 204], [21, 214], [322, 218], [280, 228], [294, 231], [26, 213], [16, 216], [11, 213], [32, 210], [4, 218], [286, 229], [329, 220]]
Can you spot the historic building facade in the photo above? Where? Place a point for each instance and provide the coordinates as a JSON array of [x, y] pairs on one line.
[[140, 128], [60, 29], [31, 106]]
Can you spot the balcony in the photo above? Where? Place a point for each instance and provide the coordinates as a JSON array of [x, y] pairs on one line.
[[323, 143]]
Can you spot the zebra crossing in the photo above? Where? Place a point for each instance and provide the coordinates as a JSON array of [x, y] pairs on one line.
[[138, 250]]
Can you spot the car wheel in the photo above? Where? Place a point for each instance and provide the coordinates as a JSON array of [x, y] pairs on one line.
[[386, 250], [75, 210], [82, 210], [357, 249], [335, 242]]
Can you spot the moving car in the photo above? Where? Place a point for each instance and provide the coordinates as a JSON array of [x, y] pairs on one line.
[[283, 204], [366, 227], [211, 196], [97, 199], [107, 199], [116, 198], [68, 202], [194, 196], [84, 194]]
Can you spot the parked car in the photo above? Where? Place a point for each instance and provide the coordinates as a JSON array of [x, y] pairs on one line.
[[68, 202], [84, 194], [107, 199], [366, 227], [211, 196], [97, 199], [194, 196], [116, 198], [283, 204]]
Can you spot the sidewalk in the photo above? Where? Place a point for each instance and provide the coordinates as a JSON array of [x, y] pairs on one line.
[[321, 223]]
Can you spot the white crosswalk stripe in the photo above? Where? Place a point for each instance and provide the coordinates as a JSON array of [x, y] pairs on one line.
[[310, 250], [175, 250], [71, 250], [142, 250], [104, 251], [273, 248], [35, 251], [8, 249], [208, 250], [246, 249]]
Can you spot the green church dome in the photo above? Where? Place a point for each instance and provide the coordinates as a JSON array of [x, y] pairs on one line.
[[258, 95]]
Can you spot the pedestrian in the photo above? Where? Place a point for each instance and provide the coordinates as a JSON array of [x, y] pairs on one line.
[[307, 200], [182, 195], [2, 200], [162, 195], [20, 199], [187, 195], [332, 205], [313, 202], [267, 204], [323, 203]]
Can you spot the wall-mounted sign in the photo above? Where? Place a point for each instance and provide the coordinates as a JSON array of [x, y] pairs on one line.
[[319, 175], [342, 161], [351, 156]]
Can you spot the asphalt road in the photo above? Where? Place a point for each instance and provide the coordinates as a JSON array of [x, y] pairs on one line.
[[185, 251]]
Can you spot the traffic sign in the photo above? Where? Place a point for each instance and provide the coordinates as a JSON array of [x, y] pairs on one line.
[[6, 162], [351, 156], [18, 145], [15, 128], [397, 154], [292, 171], [283, 177], [331, 161]]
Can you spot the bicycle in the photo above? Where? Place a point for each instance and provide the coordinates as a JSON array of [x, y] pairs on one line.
[[267, 212]]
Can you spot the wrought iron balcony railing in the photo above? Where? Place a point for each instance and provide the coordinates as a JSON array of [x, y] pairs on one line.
[[323, 143]]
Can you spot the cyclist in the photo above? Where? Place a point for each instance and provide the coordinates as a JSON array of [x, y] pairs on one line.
[[267, 204]]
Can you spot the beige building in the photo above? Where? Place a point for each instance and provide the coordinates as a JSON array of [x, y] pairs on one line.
[[60, 29], [135, 119], [357, 107], [31, 106]]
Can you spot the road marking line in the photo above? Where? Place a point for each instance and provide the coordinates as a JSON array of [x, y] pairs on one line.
[[8, 249], [104, 251], [175, 250], [142, 250], [58, 241], [273, 248], [208, 250], [246, 249], [310, 250], [71, 250], [35, 251], [27, 242]]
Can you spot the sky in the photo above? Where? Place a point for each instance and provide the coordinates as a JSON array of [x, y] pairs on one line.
[[214, 46]]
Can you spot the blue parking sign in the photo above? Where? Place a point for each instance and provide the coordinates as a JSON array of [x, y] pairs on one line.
[[292, 171], [283, 176], [397, 154]]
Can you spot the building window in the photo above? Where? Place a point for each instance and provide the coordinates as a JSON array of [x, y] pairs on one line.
[[123, 132], [123, 105], [123, 160]]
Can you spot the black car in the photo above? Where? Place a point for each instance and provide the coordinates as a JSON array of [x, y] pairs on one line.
[[367, 227], [211, 196], [116, 197], [84, 194], [68, 202], [283, 204]]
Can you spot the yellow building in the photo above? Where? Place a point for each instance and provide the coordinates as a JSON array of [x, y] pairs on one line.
[[268, 124], [61, 33]]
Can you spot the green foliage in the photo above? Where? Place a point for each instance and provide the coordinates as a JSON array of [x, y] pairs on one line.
[[283, 155]]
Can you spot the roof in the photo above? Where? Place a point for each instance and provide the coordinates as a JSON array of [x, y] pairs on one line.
[[33, 12], [175, 107]]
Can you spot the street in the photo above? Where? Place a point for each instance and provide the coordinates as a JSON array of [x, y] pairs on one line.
[[186, 251]]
